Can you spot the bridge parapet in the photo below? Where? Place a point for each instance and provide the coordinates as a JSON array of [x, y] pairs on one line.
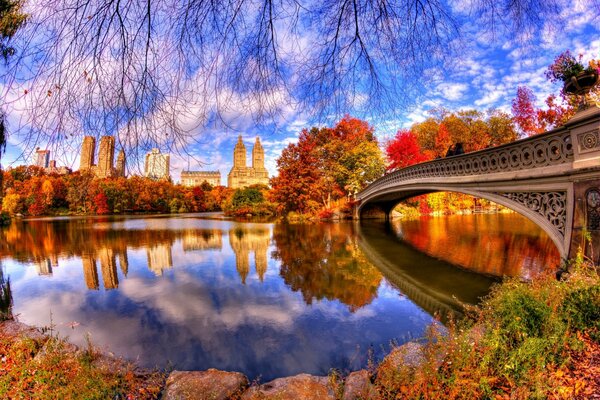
[[551, 148]]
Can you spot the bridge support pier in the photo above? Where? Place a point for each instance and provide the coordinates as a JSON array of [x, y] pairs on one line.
[[585, 135], [585, 234]]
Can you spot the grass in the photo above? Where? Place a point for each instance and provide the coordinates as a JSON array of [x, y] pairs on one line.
[[51, 369], [533, 340]]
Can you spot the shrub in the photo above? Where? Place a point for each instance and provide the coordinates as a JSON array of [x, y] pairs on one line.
[[581, 310]]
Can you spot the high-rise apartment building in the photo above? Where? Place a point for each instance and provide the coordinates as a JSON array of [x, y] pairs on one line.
[[42, 158], [106, 154], [157, 165], [241, 175], [120, 167], [88, 149]]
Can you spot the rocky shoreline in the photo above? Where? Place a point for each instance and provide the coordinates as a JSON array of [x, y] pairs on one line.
[[215, 384]]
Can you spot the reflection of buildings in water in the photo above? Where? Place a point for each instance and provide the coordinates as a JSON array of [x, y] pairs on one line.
[[159, 258], [90, 273], [243, 242], [44, 267], [123, 261], [202, 240], [108, 263]]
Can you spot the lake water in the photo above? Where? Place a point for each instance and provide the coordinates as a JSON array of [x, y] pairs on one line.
[[269, 300]]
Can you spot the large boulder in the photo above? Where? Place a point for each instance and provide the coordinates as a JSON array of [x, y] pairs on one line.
[[299, 387], [205, 385], [358, 386], [14, 329]]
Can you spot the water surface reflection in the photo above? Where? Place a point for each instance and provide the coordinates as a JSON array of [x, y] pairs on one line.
[[264, 299]]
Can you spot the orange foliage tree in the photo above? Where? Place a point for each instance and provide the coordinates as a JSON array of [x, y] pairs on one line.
[[33, 192], [326, 164]]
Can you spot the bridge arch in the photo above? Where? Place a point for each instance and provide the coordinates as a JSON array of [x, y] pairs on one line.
[[553, 220]]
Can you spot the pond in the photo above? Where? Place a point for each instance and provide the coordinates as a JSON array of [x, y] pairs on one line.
[[268, 300]]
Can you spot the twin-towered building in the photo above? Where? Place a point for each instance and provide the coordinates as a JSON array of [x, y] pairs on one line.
[[156, 165], [106, 153], [241, 175]]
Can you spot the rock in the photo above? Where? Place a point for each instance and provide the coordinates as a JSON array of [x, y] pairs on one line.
[[110, 364], [16, 329], [204, 385], [358, 386], [299, 387], [400, 365], [408, 355]]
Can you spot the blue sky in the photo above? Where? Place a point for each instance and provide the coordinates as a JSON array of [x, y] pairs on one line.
[[484, 74]]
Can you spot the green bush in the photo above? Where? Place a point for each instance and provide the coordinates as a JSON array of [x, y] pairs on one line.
[[581, 309], [521, 315]]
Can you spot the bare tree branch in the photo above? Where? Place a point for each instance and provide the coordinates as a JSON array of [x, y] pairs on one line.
[[152, 72]]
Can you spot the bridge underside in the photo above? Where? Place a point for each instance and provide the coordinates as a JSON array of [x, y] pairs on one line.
[[559, 208]]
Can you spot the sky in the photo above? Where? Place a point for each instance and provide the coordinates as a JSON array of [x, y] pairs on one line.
[[484, 74]]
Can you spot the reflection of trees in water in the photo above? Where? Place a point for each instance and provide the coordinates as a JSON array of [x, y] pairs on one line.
[[323, 261], [43, 242], [5, 296], [33, 241], [507, 244]]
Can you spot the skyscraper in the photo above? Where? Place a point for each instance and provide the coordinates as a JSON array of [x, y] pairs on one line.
[[88, 148], [42, 158], [106, 154], [157, 165], [120, 168]]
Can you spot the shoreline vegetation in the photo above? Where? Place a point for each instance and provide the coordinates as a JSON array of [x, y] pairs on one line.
[[526, 340]]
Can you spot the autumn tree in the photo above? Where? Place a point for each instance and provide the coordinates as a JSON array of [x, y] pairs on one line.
[[325, 165], [298, 185], [525, 113], [403, 150], [532, 120], [101, 203]]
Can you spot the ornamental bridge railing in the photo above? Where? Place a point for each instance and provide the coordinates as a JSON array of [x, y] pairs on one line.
[[551, 148]]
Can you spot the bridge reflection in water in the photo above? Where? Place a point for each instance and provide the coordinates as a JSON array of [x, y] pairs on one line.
[[435, 285]]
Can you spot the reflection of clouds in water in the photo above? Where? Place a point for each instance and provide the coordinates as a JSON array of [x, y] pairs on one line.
[[198, 314], [188, 319], [228, 311]]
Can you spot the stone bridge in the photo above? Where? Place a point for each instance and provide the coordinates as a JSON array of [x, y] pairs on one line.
[[552, 178]]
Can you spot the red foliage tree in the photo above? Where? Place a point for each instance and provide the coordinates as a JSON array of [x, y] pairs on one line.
[[299, 184], [403, 150], [101, 203], [524, 111]]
